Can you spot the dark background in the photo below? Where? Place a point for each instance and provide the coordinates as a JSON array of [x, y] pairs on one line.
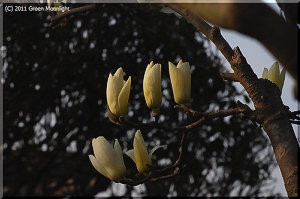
[[55, 104]]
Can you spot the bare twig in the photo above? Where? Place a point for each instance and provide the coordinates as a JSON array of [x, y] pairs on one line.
[[295, 122], [294, 115], [294, 118], [222, 113], [57, 18], [173, 174], [205, 116]]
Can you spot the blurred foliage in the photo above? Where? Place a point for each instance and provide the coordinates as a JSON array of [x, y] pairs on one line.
[[55, 104]]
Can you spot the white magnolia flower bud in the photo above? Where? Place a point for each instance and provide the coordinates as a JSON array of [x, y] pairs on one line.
[[152, 86], [274, 75], [117, 93], [139, 153], [108, 160], [180, 76]]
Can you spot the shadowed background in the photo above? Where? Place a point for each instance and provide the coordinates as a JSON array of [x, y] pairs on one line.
[[55, 104]]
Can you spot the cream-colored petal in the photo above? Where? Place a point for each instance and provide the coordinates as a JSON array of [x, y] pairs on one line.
[[265, 73], [171, 64], [119, 75], [152, 86], [150, 65], [130, 153], [273, 74], [282, 78], [146, 86], [123, 97], [138, 136], [178, 84], [179, 63], [119, 152], [156, 73], [155, 148], [120, 165], [110, 94], [103, 151], [148, 68], [113, 89], [185, 67], [98, 167], [141, 156], [108, 158]]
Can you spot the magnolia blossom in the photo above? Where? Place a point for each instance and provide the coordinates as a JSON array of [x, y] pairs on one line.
[[139, 153], [274, 75], [152, 86], [108, 160], [117, 93], [180, 76]]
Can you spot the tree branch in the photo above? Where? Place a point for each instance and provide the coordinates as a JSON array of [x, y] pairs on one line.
[[290, 11], [295, 122], [204, 117], [293, 115], [57, 18]]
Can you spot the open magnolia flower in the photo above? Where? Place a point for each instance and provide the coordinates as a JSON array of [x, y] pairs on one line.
[[117, 93], [274, 75], [152, 86], [108, 160], [180, 76], [139, 153]]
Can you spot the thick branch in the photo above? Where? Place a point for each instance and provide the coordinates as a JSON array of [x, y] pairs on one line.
[[290, 11]]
